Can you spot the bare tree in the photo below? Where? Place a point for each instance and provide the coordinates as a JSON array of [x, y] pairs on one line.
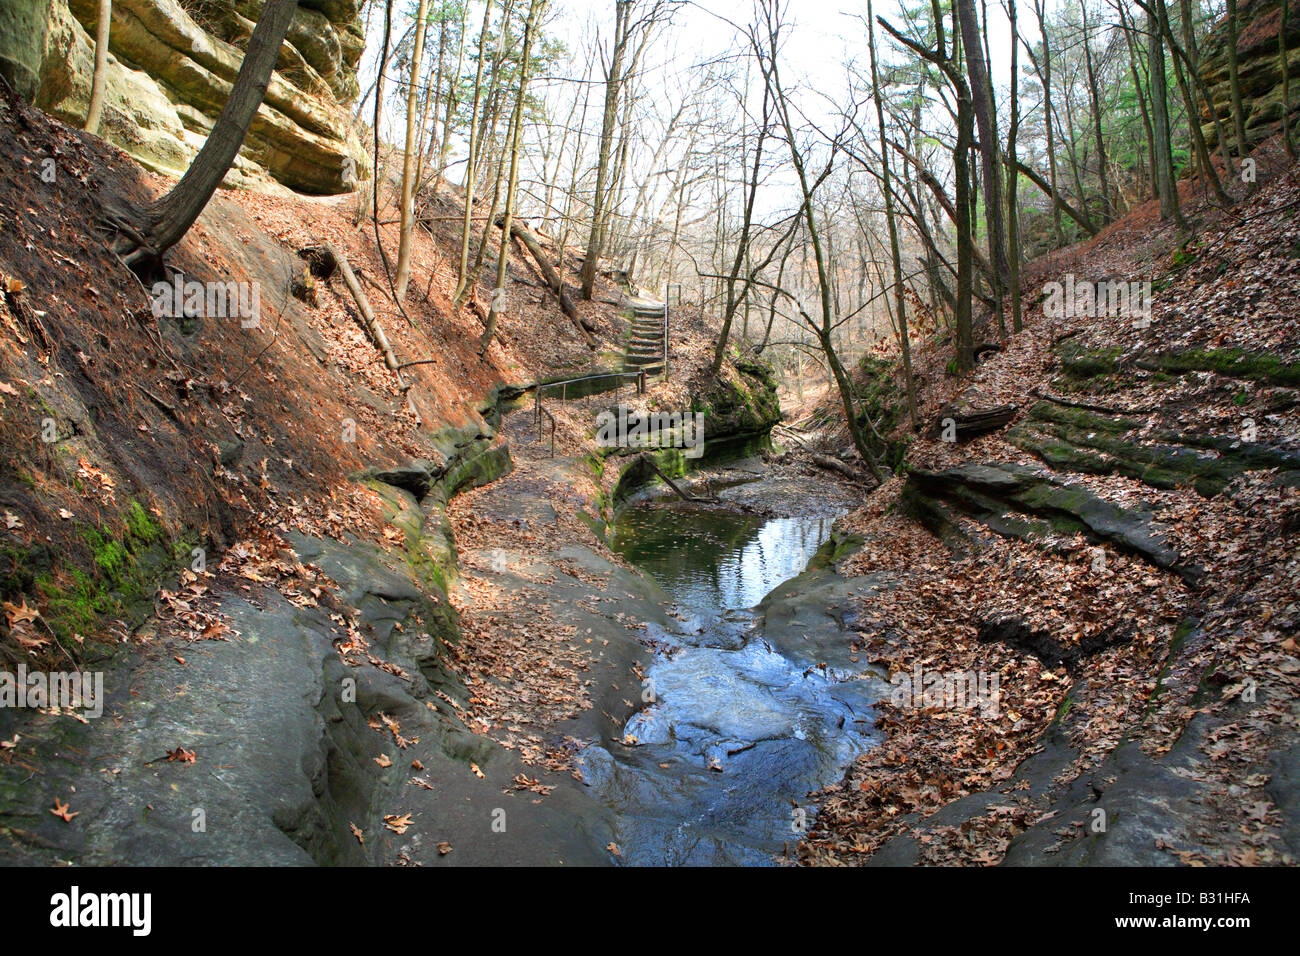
[[516, 124], [408, 157], [824, 328]]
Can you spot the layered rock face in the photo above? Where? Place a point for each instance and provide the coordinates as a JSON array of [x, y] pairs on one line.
[[170, 69], [1259, 69]]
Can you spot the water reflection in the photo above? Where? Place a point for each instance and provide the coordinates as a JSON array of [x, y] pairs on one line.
[[737, 731]]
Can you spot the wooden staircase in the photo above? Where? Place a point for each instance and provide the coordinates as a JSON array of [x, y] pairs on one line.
[[647, 348]]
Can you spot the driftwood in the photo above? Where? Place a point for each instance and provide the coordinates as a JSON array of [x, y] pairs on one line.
[[969, 424], [684, 495], [551, 277], [789, 432]]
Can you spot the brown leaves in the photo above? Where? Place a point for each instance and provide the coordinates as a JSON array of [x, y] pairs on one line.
[[399, 824], [89, 472], [21, 620]]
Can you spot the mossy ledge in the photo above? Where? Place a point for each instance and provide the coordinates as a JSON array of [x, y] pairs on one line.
[[111, 572]]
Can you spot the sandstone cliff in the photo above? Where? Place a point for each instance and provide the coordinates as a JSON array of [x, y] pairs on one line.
[[171, 66], [1260, 69]]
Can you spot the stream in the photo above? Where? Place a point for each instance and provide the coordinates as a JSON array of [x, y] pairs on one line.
[[715, 770]]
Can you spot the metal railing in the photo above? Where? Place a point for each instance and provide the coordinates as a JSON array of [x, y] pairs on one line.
[[539, 409]]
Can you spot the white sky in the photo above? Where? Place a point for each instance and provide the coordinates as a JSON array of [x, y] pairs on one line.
[[822, 35]]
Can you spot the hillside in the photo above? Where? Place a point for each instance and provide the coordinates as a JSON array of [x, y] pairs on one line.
[[1119, 559]]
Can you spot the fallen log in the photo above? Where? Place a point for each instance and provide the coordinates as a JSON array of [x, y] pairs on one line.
[[967, 425], [368, 319], [793, 436], [834, 464], [549, 275]]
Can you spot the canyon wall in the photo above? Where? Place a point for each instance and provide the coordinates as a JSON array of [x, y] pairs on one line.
[[170, 69]]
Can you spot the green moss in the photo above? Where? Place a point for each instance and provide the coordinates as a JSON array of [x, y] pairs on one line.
[[846, 545], [140, 525], [110, 556], [424, 567], [881, 403], [1080, 362], [1083, 441], [115, 577], [1183, 257], [1176, 642], [1082, 419], [1062, 711], [1233, 362]]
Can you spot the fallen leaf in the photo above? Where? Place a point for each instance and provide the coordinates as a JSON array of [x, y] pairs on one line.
[[398, 824]]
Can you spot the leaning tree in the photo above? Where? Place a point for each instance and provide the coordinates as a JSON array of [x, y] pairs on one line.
[[145, 235]]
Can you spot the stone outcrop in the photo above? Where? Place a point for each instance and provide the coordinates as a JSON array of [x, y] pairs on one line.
[[170, 69], [1259, 69]]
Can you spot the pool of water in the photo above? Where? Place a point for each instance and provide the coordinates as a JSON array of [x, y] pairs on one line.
[[716, 769]]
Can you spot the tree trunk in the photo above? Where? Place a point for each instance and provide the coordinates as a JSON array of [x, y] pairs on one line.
[[97, 82], [1166, 187], [964, 335], [1189, 101], [466, 228], [981, 102], [516, 124], [1013, 208], [1234, 82], [1286, 80], [408, 157], [1046, 76], [1137, 87], [613, 84], [1094, 94], [896, 258]]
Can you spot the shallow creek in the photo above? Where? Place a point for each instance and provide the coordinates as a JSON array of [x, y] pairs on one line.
[[717, 768]]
